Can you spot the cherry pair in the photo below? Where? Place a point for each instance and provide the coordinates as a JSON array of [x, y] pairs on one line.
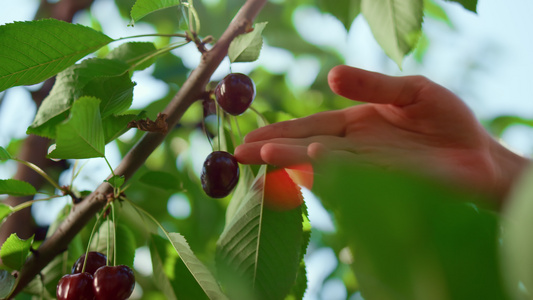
[[220, 172], [97, 282]]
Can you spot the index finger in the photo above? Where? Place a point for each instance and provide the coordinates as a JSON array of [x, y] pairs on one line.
[[322, 123], [366, 86]]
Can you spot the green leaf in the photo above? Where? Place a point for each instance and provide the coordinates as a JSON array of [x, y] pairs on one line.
[[14, 251], [16, 187], [125, 242], [105, 79], [81, 136], [142, 8], [4, 155], [115, 126], [173, 277], [200, 272], [421, 48], [247, 47], [134, 54], [7, 282], [300, 287], [162, 180], [407, 232], [170, 68], [242, 190], [258, 253], [34, 51], [116, 93], [126, 245], [434, 10], [517, 247], [162, 263], [116, 181], [471, 5], [396, 25], [344, 10], [5, 210]]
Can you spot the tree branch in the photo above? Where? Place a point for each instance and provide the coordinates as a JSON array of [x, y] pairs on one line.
[[191, 91]]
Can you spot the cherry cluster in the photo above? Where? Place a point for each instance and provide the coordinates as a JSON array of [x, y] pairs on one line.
[[97, 282], [220, 173]]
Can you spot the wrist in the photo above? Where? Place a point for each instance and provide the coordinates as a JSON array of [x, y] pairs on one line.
[[509, 166]]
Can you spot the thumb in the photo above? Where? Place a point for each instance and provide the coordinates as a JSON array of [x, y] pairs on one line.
[[366, 86]]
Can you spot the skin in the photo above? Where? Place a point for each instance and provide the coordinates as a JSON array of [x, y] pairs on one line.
[[407, 122]]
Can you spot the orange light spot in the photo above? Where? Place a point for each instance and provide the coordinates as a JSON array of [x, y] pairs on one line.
[[302, 175], [281, 193]]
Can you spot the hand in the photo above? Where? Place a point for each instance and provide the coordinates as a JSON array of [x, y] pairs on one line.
[[408, 122]]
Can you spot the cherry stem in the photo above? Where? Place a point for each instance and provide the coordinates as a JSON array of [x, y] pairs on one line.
[[219, 112], [114, 234], [207, 135], [108, 242], [231, 131], [193, 19], [116, 190], [77, 173], [249, 167], [40, 172], [64, 190], [74, 173], [109, 165], [43, 285], [157, 52], [30, 202], [91, 237], [207, 98], [260, 115], [153, 34], [239, 132]]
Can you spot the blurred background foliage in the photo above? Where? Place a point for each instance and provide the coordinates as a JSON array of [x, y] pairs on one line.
[[291, 82]]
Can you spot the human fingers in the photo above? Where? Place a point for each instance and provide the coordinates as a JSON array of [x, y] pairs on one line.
[[318, 151], [281, 155], [366, 86], [284, 155], [284, 151], [322, 123], [249, 154]]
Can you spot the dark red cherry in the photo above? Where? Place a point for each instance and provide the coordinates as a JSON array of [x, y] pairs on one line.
[[235, 93], [113, 283], [220, 174], [75, 287], [95, 260]]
